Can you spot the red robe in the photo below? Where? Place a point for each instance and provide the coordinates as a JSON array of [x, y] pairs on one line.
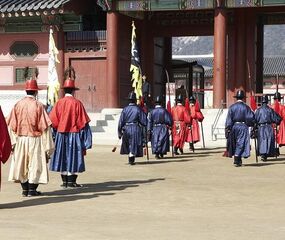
[[68, 115], [181, 118], [5, 142], [281, 131], [197, 116]]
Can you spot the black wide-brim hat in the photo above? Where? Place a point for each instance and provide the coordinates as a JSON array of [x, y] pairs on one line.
[[240, 94], [277, 95]]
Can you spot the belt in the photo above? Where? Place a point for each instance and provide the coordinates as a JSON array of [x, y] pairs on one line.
[[159, 124], [131, 123], [264, 124]]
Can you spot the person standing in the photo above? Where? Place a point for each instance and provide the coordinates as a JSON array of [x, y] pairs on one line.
[[264, 118], [280, 110], [181, 118], [193, 134], [5, 142], [130, 129], [30, 131], [72, 133], [240, 117], [159, 122], [146, 91]]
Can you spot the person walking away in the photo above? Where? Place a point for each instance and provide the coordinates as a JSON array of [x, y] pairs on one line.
[[30, 131], [265, 117], [181, 118], [197, 116], [72, 134], [159, 122], [130, 129], [240, 117], [280, 110], [5, 142]]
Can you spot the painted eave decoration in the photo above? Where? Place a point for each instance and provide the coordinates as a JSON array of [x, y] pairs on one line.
[[173, 5], [16, 8]]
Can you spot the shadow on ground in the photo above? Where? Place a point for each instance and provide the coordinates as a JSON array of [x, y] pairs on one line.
[[163, 161], [74, 194]]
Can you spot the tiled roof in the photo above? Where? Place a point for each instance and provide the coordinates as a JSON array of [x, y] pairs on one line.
[[12, 6], [272, 65]]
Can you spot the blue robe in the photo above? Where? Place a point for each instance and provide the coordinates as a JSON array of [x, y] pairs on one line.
[[130, 128], [265, 117], [70, 149], [158, 122], [239, 118]]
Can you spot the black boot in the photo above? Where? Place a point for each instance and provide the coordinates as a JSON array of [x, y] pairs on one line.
[[157, 156], [176, 151], [71, 181], [33, 190], [263, 158], [25, 188], [64, 181], [161, 155], [132, 160], [181, 150], [277, 152], [191, 146], [237, 161]]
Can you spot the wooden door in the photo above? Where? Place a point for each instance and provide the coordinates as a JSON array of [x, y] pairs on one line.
[[91, 79]]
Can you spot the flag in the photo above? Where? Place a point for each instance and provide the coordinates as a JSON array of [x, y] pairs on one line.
[[135, 64], [253, 104], [53, 83]]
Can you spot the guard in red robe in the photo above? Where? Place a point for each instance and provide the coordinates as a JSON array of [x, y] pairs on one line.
[[280, 109], [72, 132], [5, 142], [193, 131], [181, 118]]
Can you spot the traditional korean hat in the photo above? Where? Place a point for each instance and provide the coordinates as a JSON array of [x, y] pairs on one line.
[[31, 84], [132, 96], [277, 95], [69, 78], [179, 98], [264, 99], [158, 99], [192, 99], [240, 94]]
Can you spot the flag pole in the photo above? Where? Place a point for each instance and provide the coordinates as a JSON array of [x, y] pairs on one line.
[[168, 88]]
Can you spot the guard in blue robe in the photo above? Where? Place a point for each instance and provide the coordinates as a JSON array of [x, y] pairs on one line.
[[240, 117], [264, 118], [159, 121], [131, 121]]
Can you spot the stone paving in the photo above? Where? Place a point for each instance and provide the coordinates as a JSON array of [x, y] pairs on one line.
[[194, 196]]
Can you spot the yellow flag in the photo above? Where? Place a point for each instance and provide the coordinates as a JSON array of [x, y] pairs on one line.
[[135, 68]]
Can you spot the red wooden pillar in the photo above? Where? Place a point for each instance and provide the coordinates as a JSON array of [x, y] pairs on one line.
[[241, 60], [219, 81], [112, 59]]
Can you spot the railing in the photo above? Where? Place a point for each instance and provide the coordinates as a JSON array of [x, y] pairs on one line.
[[86, 40], [215, 129]]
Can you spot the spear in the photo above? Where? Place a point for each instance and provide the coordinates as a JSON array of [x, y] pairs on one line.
[[169, 107]]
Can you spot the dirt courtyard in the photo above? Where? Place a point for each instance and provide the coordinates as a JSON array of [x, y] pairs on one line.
[[199, 196]]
